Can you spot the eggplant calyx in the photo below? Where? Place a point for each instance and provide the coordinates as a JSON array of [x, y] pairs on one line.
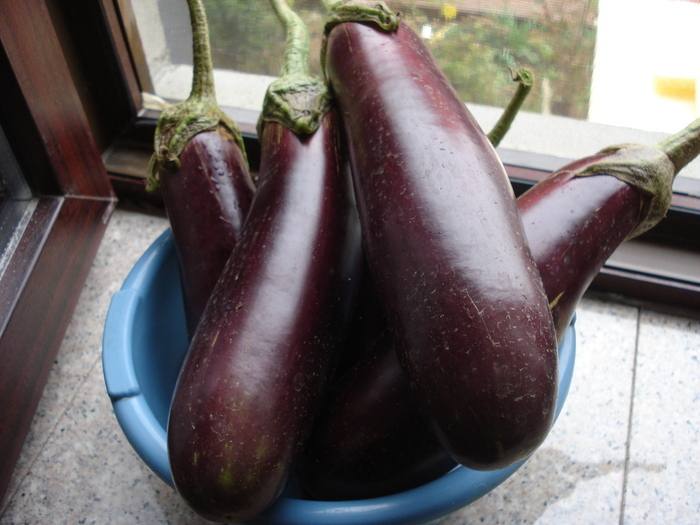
[[649, 169], [298, 102], [372, 11], [360, 11], [176, 127], [199, 112], [646, 168]]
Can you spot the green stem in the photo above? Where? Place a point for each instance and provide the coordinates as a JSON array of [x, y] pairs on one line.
[[297, 46], [199, 112], [525, 79], [684, 146], [297, 100], [649, 169], [203, 68]]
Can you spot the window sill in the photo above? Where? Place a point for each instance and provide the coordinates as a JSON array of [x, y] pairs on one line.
[[661, 268]]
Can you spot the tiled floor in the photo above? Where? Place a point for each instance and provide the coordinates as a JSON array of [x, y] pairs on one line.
[[625, 449]]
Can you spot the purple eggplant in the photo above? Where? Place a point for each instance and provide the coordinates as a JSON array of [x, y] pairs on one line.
[[200, 164], [368, 321], [258, 364], [444, 242], [577, 217], [371, 440]]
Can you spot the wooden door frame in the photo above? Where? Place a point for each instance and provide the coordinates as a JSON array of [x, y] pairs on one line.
[[46, 126]]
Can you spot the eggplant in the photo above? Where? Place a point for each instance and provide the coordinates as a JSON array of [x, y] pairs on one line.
[[371, 440], [444, 242], [259, 361], [369, 321], [579, 215], [200, 165]]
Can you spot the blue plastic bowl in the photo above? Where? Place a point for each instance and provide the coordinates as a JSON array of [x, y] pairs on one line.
[[143, 347]]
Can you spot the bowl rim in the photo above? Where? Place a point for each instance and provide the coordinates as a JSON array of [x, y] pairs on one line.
[[454, 490]]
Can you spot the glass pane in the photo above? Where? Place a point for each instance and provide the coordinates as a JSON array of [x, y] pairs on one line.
[[15, 201], [607, 71]]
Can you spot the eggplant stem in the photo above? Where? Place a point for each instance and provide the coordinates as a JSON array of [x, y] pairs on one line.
[[525, 79], [684, 146], [297, 100], [203, 68], [297, 47], [197, 113], [649, 169]]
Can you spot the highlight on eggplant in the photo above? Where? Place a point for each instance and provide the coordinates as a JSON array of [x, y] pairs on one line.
[[259, 361], [574, 220], [200, 165], [444, 242]]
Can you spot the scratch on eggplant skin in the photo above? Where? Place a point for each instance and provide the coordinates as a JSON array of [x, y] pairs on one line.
[[216, 336], [480, 313], [530, 395], [554, 301], [352, 51]]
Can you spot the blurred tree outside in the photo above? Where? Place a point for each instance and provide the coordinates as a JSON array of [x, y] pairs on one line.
[[247, 36], [477, 51], [475, 47]]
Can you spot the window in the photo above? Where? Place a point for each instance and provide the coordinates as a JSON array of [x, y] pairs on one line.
[[607, 72], [15, 200]]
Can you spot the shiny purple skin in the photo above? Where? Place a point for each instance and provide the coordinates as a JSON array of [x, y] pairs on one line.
[[207, 200], [370, 440], [573, 224], [258, 363], [446, 248]]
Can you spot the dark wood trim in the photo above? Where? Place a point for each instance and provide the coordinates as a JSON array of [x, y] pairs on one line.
[[648, 291], [92, 38], [130, 48], [53, 126], [44, 119]]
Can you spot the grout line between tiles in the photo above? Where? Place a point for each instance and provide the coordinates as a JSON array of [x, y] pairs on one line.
[[628, 443], [78, 390]]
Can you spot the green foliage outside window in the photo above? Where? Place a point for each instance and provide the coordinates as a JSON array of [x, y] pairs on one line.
[[475, 51]]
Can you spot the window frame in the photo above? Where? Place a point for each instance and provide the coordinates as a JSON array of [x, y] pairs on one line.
[[71, 198]]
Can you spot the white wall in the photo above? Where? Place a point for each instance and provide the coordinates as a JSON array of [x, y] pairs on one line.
[[640, 44]]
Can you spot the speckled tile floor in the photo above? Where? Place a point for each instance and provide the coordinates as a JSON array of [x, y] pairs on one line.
[[624, 450]]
